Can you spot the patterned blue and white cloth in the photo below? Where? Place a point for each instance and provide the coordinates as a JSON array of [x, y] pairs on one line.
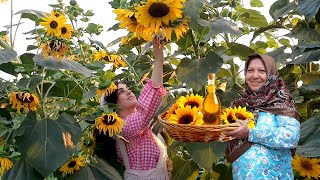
[[269, 156]]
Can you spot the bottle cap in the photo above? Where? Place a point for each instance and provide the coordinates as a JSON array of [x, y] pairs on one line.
[[211, 76]]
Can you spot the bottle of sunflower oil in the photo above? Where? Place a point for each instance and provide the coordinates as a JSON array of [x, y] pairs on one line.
[[211, 103]]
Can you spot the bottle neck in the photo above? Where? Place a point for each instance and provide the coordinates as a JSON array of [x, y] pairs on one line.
[[211, 88]]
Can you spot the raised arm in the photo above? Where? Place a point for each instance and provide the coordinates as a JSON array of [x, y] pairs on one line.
[[157, 72]]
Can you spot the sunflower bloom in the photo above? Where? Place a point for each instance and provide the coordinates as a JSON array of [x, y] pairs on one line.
[[72, 165], [242, 113], [227, 116], [53, 24], [98, 55], [251, 124], [6, 164], [187, 115], [55, 48], [306, 166], [66, 31], [155, 13], [191, 100], [24, 100], [116, 60], [171, 111], [110, 123]]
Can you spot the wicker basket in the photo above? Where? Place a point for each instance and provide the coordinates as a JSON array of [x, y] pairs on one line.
[[193, 133]]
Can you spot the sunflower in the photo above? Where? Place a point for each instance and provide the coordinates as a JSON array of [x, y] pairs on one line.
[[116, 60], [88, 143], [109, 122], [186, 115], [56, 48], [53, 24], [5, 164], [66, 31], [191, 100], [58, 14], [306, 166], [107, 89], [5, 38], [23, 99], [227, 116], [155, 13], [242, 113], [71, 165], [178, 27], [251, 124], [171, 111], [98, 55]]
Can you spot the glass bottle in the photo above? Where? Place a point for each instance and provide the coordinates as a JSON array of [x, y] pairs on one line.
[[211, 103]]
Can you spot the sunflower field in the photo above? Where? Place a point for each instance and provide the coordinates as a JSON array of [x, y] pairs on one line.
[[50, 113]]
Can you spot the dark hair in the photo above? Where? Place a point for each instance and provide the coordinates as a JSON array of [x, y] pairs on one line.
[[112, 98]]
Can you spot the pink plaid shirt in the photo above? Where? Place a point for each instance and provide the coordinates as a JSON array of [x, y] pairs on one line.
[[143, 151]]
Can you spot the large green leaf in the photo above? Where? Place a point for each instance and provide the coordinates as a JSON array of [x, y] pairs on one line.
[[42, 142], [205, 154], [7, 56], [239, 50], [313, 85], [67, 64], [22, 171], [219, 26], [183, 169], [309, 143], [281, 8], [195, 72], [102, 170], [304, 33], [30, 83], [64, 88], [251, 17], [307, 57], [192, 9], [309, 8]]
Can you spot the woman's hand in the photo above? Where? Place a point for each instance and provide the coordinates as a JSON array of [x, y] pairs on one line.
[[158, 48], [240, 133]]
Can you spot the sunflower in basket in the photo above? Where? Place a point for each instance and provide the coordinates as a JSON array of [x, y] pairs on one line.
[[187, 115], [231, 115]]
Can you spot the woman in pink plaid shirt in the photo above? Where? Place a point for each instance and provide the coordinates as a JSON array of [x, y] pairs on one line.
[[144, 155]]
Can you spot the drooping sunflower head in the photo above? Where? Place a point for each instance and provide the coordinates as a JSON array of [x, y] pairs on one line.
[[66, 31], [171, 111], [187, 115], [191, 100], [306, 166], [242, 113], [106, 88], [25, 100], [53, 24], [55, 48], [179, 27], [99, 55], [5, 164], [116, 60], [227, 116], [109, 123], [72, 165], [155, 13]]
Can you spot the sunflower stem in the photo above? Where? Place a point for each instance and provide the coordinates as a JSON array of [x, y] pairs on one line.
[[195, 47], [11, 23]]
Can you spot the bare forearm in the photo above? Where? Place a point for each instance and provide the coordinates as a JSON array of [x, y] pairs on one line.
[[157, 73]]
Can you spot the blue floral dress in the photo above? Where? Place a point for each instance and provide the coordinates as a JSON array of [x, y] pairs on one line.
[[269, 157]]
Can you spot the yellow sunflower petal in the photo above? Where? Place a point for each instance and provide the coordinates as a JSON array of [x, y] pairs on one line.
[[306, 166], [110, 123]]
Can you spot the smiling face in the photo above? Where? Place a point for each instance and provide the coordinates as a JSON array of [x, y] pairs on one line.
[[126, 98], [256, 74]]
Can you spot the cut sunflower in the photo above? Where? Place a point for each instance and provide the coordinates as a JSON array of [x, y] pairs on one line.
[[242, 113], [171, 111], [5, 164], [191, 100], [309, 167], [227, 116], [24, 100], [110, 123], [187, 115], [72, 165], [155, 13], [53, 24]]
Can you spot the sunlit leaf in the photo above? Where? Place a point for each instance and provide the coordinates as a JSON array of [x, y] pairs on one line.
[[67, 64], [183, 169], [251, 17], [205, 154], [43, 139], [7, 55], [194, 72], [309, 8], [256, 3], [96, 172], [22, 171], [239, 50]]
